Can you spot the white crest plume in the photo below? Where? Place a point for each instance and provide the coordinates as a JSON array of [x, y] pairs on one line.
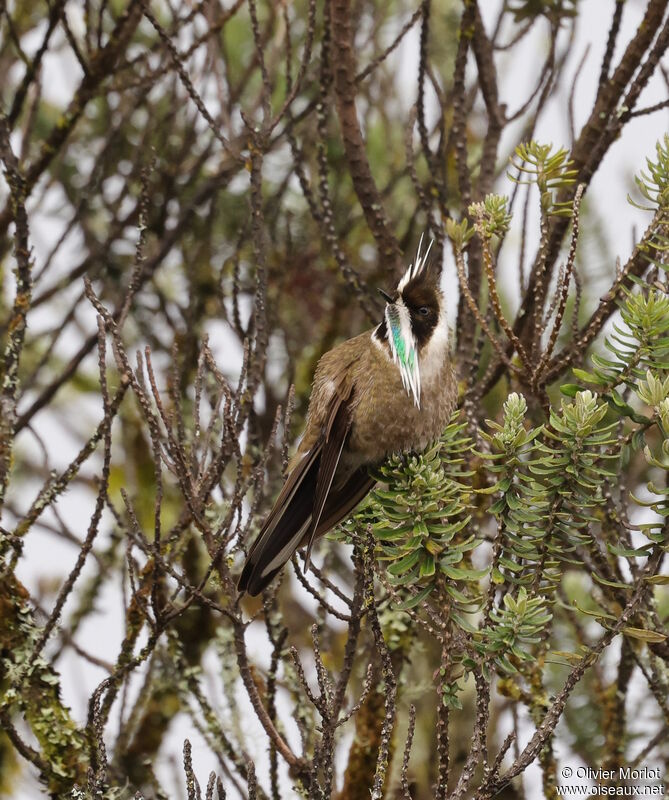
[[418, 266]]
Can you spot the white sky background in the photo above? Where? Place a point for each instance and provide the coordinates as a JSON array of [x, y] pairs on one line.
[[46, 556]]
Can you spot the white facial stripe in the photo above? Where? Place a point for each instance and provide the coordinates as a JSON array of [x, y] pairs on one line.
[[433, 355], [404, 348]]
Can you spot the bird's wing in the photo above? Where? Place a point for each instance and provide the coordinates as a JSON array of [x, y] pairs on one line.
[[302, 499], [343, 499], [337, 430]]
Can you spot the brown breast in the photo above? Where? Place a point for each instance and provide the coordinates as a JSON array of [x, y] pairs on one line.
[[385, 418]]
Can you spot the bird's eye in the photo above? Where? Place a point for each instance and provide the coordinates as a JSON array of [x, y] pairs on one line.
[[423, 311]]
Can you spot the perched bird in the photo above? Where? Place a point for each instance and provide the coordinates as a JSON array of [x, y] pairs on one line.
[[391, 389]]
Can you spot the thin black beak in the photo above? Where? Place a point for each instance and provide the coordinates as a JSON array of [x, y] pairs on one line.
[[386, 296]]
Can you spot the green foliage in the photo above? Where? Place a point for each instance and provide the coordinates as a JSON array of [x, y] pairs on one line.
[[654, 184], [518, 509], [653, 391], [547, 496], [450, 692], [420, 521], [492, 215], [639, 368], [654, 187], [459, 232], [516, 626], [578, 446], [656, 529], [548, 479], [663, 412], [549, 170], [647, 316], [642, 346]]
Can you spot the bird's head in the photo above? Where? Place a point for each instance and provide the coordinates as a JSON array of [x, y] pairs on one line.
[[410, 318]]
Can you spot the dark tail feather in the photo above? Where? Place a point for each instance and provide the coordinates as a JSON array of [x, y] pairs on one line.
[[306, 500], [340, 503], [283, 530], [329, 461]]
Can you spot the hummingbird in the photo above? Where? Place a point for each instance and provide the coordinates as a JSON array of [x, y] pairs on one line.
[[392, 389]]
